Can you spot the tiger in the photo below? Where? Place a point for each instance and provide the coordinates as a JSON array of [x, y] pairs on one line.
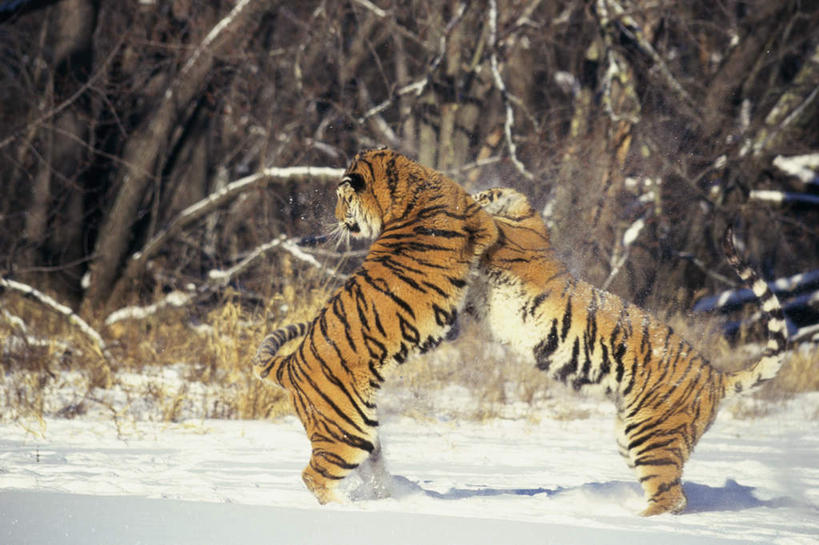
[[666, 393], [403, 299]]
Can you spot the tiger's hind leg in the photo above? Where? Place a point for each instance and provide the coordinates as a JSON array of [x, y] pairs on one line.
[[622, 440], [657, 453], [334, 456]]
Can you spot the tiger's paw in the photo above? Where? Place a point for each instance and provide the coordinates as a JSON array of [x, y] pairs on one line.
[[674, 504], [323, 493]]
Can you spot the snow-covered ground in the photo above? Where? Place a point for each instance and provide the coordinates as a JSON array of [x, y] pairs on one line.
[[93, 480]]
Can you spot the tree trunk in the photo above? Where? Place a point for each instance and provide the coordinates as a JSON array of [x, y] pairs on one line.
[[144, 150]]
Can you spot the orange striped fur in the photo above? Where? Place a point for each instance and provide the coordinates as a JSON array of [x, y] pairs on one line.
[[429, 235], [666, 393]]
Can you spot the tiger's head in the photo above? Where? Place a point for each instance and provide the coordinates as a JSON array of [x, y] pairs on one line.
[[380, 186], [505, 202], [512, 210]]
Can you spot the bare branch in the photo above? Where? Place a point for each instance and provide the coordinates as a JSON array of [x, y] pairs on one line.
[[69, 101], [612, 16], [144, 151], [505, 96], [222, 277], [808, 333], [26, 336], [419, 86], [137, 262], [795, 106], [704, 268], [218, 279], [366, 4]]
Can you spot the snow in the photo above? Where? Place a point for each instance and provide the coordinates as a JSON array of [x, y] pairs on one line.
[[95, 480]]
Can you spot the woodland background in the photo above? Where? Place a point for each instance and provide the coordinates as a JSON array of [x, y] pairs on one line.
[[167, 167]]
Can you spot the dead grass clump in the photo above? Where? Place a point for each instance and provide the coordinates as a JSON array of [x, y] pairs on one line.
[[175, 364], [471, 378], [195, 362], [801, 371]]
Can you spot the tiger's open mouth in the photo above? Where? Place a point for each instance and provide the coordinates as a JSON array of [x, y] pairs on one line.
[[353, 227]]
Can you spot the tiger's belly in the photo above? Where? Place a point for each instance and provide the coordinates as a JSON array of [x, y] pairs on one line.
[[506, 317]]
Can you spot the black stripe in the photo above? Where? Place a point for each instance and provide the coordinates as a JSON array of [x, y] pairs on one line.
[[567, 319], [545, 348], [408, 331], [537, 301], [444, 233], [571, 367], [444, 318], [388, 292]]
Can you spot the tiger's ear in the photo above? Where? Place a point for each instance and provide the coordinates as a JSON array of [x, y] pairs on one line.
[[355, 180]]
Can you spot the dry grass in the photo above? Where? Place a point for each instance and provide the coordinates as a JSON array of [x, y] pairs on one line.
[[209, 355], [208, 352]]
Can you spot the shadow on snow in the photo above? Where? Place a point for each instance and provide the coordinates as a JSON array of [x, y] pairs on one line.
[[732, 496]]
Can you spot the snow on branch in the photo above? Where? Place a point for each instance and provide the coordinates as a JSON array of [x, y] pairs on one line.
[[804, 167], [366, 4], [619, 257], [137, 262], [736, 298], [23, 334], [222, 277], [73, 318], [780, 197], [174, 299], [218, 279], [807, 333]]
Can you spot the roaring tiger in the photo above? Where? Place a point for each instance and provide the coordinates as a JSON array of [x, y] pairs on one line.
[[403, 299], [665, 392]]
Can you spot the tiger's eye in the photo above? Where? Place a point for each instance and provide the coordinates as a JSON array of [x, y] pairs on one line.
[[356, 181]]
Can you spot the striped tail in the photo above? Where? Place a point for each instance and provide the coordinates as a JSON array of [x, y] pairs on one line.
[[773, 357], [266, 357]]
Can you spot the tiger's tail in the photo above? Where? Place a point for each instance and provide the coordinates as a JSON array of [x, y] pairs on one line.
[[266, 358], [773, 357]]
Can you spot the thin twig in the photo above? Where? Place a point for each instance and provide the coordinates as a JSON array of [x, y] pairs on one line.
[[417, 87], [137, 261], [509, 123], [70, 100]]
